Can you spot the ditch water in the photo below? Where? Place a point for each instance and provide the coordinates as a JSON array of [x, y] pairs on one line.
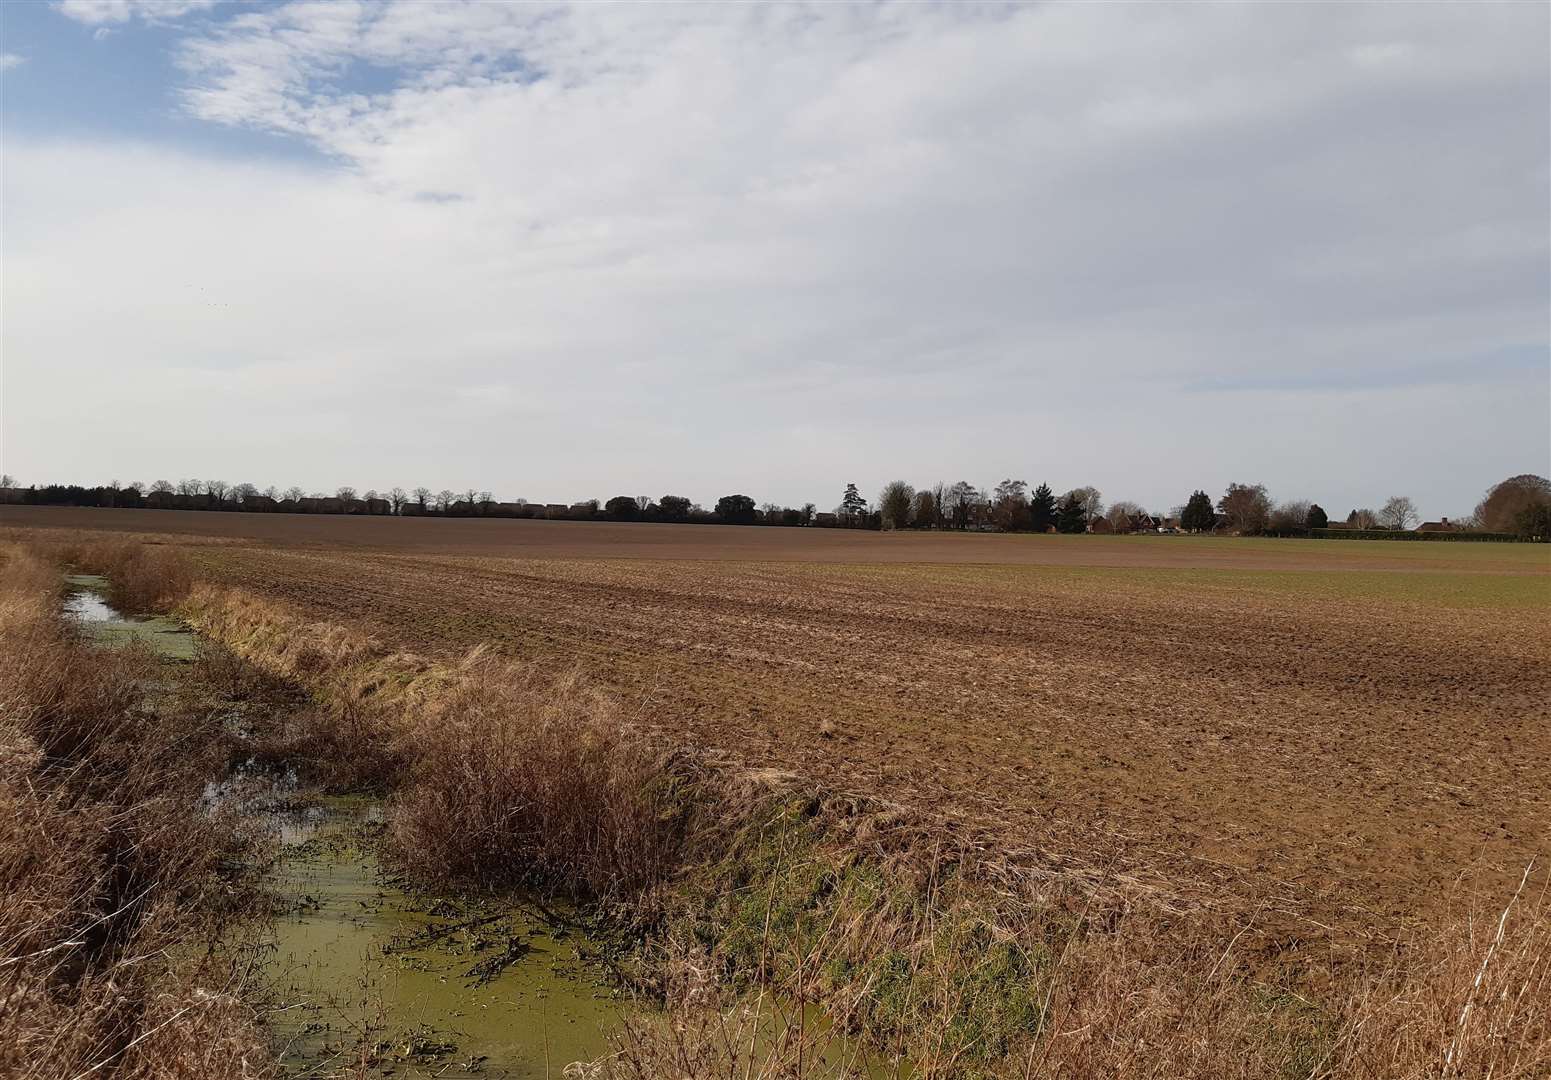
[[440, 985], [86, 603]]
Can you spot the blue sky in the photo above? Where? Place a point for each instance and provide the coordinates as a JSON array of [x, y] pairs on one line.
[[562, 252], [113, 82]]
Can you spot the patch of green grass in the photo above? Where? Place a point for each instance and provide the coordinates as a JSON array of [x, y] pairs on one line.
[[1465, 588], [928, 969]]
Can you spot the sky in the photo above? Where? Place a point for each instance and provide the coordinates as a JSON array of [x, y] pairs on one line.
[[567, 252]]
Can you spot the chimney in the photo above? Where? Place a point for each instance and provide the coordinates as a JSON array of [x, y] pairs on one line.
[[1445, 522]]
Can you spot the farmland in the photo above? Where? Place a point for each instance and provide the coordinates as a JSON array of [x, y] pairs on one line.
[[1339, 737]]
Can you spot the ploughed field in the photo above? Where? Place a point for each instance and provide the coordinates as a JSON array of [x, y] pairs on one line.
[[1332, 734]]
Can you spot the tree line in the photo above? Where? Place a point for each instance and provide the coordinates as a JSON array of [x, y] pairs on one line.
[[1518, 507]]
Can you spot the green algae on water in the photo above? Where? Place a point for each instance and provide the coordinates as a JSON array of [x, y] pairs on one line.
[[469, 987]]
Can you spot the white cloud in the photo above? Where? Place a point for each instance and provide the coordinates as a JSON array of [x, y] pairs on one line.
[[743, 247], [98, 12], [11, 60]]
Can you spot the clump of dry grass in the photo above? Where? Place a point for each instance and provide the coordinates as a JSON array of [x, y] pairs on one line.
[[517, 775], [111, 873], [144, 577], [1472, 998]]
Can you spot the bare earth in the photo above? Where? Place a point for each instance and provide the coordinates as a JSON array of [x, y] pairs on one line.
[[1332, 732]]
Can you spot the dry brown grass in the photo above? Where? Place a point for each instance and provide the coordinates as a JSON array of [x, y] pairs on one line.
[[350, 734], [1469, 999], [112, 877], [516, 775]]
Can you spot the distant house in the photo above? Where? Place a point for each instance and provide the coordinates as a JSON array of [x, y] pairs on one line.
[[192, 502], [321, 506], [262, 503], [161, 500], [1440, 526], [555, 510], [412, 509], [1100, 525], [826, 521], [377, 506], [286, 506]]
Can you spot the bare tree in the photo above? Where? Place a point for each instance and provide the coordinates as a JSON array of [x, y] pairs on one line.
[[243, 492], [1247, 508], [1122, 515], [1399, 513], [1500, 509], [1363, 518], [397, 497], [7, 480], [272, 492], [1290, 516], [643, 503], [1089, 498], [162, 487], [445, 498], [422, 496], [371, 495], [925, 510], [962, 497], [894, 503], [189, 487], [486, 501], [940, 497], [1010, 505], [217, 489], [345, 494], [295, 494]]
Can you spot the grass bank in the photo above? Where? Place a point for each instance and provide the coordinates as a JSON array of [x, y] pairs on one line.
[[901, 927]]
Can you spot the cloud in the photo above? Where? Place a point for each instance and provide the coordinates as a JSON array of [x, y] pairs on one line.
[[118, 12], [740, 247], [11, 60]]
